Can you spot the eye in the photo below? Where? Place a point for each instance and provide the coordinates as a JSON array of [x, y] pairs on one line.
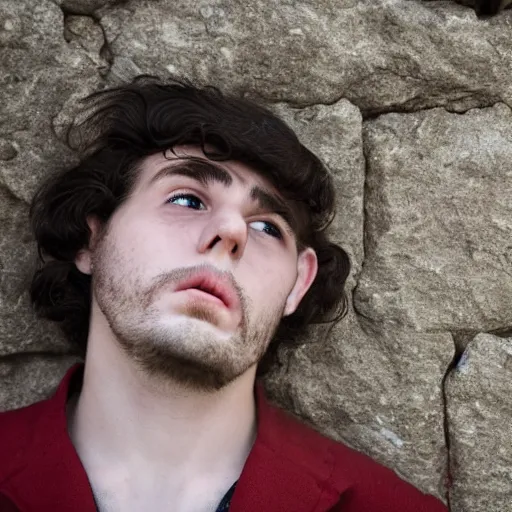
[[187, 200], [268, 228]]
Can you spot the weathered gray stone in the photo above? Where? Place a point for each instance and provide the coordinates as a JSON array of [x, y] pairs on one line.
[[88, 34], [379, 54], [378, 391], [28, 380], [439, 205], [479, 412], [39, 71]]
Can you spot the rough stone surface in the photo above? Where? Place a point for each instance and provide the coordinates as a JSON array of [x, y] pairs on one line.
[[88, 34], [382, 55], [27, 380], [439, 204], [480, 408], [39, 71]]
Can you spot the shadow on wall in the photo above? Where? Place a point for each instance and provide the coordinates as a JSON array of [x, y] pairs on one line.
[[486, 7]]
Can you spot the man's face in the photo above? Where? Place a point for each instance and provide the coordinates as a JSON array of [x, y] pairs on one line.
[[197, 268]]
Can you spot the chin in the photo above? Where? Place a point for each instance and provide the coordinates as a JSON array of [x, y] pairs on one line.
[[186, 326]]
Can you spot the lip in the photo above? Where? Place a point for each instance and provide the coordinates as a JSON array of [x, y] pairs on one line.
[[209, 282]]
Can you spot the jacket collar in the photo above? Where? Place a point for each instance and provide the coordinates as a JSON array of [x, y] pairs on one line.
[[51, 475], [288, 468]]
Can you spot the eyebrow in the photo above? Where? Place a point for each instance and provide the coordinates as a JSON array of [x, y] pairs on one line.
[[206, 173], [199, 170], [274, 204]]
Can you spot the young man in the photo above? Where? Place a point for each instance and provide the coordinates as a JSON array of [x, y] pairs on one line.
[[190, 238]]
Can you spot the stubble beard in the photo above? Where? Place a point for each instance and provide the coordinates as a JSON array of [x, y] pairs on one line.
[[186, 353]]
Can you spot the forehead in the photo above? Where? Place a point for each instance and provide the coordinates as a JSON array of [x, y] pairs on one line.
[[240, 173]]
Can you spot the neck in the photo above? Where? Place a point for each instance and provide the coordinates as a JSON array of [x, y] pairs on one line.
[[123, 422]]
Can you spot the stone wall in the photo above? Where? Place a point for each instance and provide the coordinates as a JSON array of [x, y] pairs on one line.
[[408, 102]]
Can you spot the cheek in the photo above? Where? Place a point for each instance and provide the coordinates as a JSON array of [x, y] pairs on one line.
[[159, 244], [270, 280]]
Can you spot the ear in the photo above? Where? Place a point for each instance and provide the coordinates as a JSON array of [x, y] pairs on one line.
[[307, 268], [83, 259]]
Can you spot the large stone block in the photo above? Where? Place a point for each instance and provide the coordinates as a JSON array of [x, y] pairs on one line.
[[479, 402], [39, 72], [438, 205], [379, 54]]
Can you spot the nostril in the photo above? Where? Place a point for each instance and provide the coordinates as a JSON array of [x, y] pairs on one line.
[[235, 248], [213, 242]]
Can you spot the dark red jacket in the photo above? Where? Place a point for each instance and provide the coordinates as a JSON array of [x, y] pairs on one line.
[[291, 468]]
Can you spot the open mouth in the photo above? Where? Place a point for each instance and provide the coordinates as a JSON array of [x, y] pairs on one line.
[[208, 293], [210, 284]]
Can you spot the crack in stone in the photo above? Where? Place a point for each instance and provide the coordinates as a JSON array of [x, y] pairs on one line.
[[446, 421], [24, 357], [64, 138], [502, 332], [364, 201], [11, 193], [371, 114], [461, 340], [397, 109], [68, 10], [305, 104], [105, 52]]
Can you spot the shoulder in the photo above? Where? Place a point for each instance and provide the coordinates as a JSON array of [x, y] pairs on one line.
[[17, 430], [363, 483], [377, 487]]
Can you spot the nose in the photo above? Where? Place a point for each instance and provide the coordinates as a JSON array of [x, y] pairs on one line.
[[224, 235]]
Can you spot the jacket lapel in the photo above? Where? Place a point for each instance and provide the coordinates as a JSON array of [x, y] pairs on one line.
[[287, 469], [50, 475]]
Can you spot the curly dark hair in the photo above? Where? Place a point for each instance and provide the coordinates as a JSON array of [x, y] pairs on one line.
[[116, 130]]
